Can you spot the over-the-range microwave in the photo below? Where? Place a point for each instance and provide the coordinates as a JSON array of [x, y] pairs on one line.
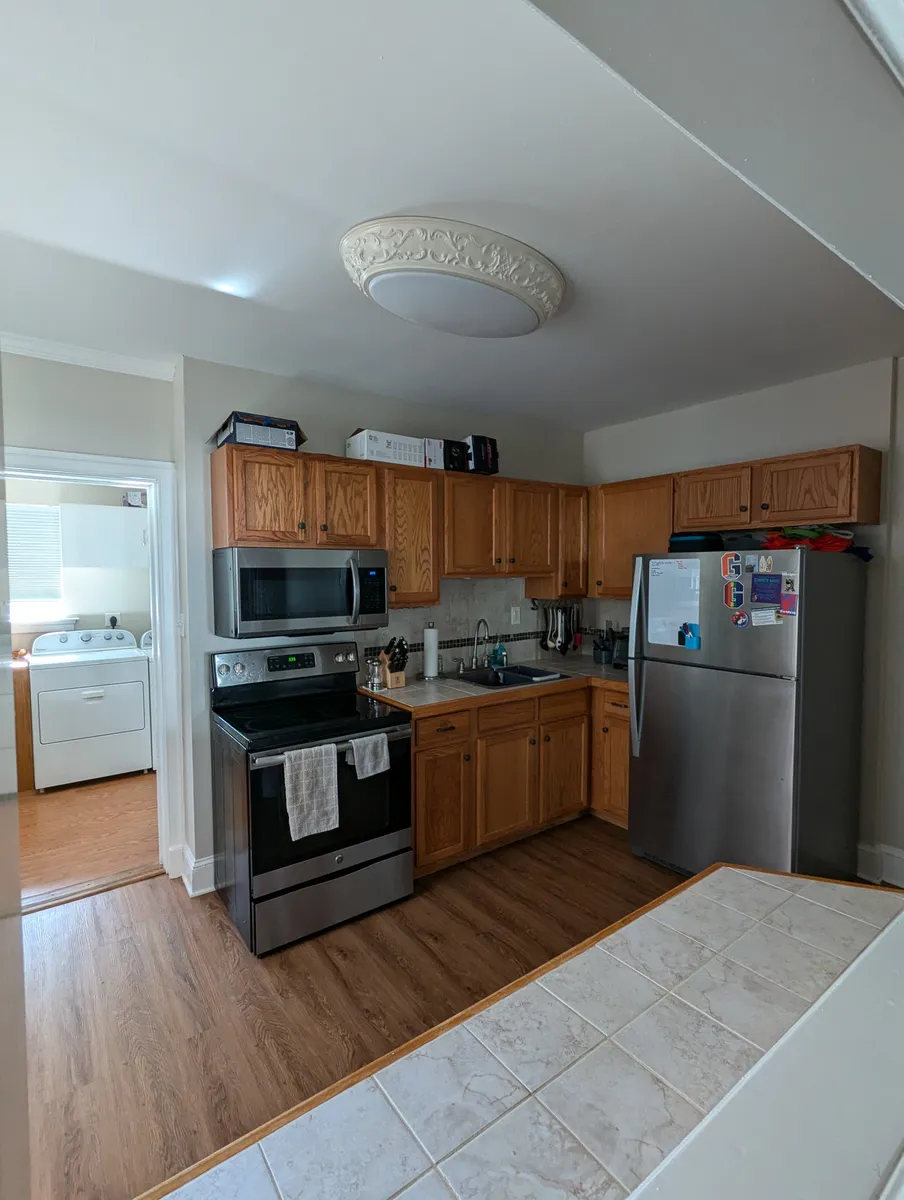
[[276, 592]]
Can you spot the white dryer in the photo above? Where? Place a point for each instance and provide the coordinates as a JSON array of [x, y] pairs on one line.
[[90, 706], [146, 644]]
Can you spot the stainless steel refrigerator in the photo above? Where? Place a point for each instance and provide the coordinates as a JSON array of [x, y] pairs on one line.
[[745, 677]]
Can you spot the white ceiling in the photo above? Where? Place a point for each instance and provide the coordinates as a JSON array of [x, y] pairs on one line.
[[151, 152]]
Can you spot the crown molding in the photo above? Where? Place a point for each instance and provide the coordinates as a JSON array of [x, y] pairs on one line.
[[81, 356]]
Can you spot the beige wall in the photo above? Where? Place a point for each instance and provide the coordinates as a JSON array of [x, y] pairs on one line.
[[841, 408], [206, 394], [55, 406]]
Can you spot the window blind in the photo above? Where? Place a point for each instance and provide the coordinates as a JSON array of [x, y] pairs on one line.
[[35, 552]]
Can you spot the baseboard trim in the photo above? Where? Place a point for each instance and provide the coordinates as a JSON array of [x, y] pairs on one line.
[[880, 864], [197, 873]]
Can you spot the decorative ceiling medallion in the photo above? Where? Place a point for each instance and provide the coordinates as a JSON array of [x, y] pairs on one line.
[[439, 272]]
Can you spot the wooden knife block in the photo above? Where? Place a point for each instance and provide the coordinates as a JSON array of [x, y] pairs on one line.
[[391, 679]]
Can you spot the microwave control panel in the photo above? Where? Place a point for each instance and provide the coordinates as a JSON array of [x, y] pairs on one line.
[[373, 590]]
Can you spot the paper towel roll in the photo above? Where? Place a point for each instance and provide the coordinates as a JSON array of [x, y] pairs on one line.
[[431, 652]]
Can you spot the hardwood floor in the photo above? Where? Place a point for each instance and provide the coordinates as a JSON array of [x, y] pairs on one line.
[[73, 837], [155, 1038]]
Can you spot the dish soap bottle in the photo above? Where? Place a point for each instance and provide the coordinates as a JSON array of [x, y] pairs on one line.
[[499, 656]]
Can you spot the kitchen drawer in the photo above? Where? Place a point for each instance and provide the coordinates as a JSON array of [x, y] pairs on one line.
[[450, 727], [565, 704], [506, 716], [616, 703]]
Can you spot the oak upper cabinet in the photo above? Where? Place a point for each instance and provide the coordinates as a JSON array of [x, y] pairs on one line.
[[564, 762], [412, 521], [531, 527], [628, 518], [825, 486], [717, 498], [506, 801], [345, 503], [611, 762], [472, 524], [570, 577], [258, 497], [444, 803]]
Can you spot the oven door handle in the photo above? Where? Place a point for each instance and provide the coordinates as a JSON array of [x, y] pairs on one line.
[[356, 590], [259, 761]]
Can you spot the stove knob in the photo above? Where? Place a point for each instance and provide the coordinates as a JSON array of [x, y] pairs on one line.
[[223, 669], [86, 637], [239, 668], [340, 657], [350, 658]]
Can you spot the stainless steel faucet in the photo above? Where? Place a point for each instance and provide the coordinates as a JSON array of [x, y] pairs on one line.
[[486, 640]]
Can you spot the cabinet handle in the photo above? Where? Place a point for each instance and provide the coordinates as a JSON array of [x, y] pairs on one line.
[[764, 507], [498, 560], [302, 525], [444, 728], [392, 587], [324, 528], [547, 738], [617, 704], [511, 560], [605, 729], [564, 583], [742, 508], [467, 758], [533, 741], [599, 583]]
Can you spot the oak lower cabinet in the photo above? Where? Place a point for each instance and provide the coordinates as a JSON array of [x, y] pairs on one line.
[[611, 756], [345, 503], [628, 518], [564, 767], [444, 803], [506, 795], [412, 499]]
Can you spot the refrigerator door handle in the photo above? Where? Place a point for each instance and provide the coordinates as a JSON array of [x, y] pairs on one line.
[[635, 607], [635, 694]]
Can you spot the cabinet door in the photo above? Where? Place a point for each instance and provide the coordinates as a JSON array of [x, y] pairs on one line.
[[412, 500], [811, 487], [714, 499], [616, 734], [444, 808], [506, 784], [563, 767], [472, 524], [628, 518], [531, 526], [345, 503], [268, 496], [573, 541]]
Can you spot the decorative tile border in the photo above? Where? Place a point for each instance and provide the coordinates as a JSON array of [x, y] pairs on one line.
[[457, 643]]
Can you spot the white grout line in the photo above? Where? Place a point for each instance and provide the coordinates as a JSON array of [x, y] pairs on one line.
[[260, 1145]]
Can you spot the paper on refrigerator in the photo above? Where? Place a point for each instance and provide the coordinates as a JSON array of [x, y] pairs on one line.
[[673, 602]]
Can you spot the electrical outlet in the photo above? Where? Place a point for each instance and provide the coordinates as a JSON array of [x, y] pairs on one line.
[[516, 614], [107, 617]]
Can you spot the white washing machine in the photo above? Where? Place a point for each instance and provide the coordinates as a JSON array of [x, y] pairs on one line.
[[90, 706], [146, 644]]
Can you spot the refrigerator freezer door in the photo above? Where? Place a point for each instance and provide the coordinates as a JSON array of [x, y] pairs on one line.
[[713, 776], [709, 610]]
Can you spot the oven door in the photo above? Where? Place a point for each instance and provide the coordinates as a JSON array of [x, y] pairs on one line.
[[374, 820], [269, 592]]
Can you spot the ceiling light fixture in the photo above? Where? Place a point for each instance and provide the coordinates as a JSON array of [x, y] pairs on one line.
[[451, 276], [882, 21]]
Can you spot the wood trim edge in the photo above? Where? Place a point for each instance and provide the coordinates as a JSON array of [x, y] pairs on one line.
[[93, 887]]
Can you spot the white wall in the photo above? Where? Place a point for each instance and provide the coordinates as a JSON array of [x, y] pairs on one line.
[[205, 395], [56, 406], [842, 408]]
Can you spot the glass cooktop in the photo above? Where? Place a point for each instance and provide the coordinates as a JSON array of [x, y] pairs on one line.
[[277, 724]]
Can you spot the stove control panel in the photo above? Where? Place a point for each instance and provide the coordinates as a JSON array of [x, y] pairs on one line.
[[288, 662]]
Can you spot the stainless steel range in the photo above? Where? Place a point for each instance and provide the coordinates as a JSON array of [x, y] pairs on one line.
[[264, 703]]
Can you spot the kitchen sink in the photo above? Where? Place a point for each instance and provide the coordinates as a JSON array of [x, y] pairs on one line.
[[502, 677]]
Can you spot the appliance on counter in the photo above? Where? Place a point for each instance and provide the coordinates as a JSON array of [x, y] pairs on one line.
[[745, 694], [278, 593], [265, 702], [90, 707]]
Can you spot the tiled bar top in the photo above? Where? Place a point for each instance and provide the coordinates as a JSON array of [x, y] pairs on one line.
[[419, 695], [578, 1082]]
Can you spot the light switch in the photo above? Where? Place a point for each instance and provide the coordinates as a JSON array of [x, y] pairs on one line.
[[516, 614]]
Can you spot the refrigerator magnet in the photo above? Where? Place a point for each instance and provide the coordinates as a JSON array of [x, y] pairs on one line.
[[750, 561], [740, 619], [733, 594], [788, 605], [731, 565], [789, 585], [765, 616], [765, 562], [766, 589]]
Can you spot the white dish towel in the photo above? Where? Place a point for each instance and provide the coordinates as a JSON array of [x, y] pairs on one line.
[[369, 755], [312, 794]]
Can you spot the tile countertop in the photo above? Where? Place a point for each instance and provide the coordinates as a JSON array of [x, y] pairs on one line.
[[419, 695], [582, 1079]]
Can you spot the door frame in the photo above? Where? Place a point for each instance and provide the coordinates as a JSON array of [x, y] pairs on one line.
[[158, 479]]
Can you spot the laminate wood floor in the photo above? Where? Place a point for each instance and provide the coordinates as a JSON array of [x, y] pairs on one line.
[[155, 1038], [78, 835]]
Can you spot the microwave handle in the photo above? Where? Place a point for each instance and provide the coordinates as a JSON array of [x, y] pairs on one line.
[[356, 590]]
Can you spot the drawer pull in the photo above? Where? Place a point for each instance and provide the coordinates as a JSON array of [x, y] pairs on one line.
[[444, 728], [617, 704], [467, 758], [93, 694]]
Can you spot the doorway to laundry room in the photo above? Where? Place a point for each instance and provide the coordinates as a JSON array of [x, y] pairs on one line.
[[82, 639]]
